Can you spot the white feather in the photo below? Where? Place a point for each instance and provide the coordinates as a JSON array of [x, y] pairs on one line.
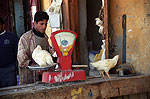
[[41, 57], [106, 64]]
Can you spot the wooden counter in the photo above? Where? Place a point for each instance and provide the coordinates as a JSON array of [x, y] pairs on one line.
[[92, 88]]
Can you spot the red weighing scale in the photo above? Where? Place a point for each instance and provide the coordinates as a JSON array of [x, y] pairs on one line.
[[63, 42]]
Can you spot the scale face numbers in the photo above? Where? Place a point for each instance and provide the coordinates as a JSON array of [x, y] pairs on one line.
[[65, 41]]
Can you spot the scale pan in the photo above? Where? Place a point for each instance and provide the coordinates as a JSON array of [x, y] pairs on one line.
[[37, 67]]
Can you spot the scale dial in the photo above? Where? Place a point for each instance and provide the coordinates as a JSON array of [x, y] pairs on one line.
[[65, 41]]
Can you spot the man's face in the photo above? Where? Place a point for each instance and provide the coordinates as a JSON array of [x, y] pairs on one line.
[[40, 26]]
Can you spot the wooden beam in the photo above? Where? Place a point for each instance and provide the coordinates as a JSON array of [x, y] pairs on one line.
[[95, 88], [106, 27], [66, 14], [74, 16], [71, 22]]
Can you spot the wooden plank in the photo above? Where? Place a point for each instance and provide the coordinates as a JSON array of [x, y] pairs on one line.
[[106, 27], [96, 88], [71, 22], [66, 14], [74, 21], [134, 96], [148, 95], [143, 96], [126, 97]]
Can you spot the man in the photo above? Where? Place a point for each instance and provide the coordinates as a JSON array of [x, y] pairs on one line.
[[8, 59], [27, 43]]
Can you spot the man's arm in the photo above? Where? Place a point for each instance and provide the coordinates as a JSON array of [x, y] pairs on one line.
[[23, 51]]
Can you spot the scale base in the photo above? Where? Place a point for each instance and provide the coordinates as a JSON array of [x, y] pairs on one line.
[[63, 76]]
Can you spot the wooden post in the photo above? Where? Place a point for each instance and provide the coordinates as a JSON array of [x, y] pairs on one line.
[[106, 27], [71, 22], [75, 27], [66, 14]]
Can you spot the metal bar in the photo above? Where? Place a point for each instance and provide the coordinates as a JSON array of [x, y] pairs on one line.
[[124, 38]]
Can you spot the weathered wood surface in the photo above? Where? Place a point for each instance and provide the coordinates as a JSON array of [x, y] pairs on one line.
[[106, 27], [92, 88]]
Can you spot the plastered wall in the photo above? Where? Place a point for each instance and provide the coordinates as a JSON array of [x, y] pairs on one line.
[[137, 31]]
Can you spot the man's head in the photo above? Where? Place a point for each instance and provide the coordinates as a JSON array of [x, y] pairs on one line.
[[40, 21], [2, 25]]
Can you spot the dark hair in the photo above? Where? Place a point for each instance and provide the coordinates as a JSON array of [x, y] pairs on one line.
[[1, 21], [40, 16]]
